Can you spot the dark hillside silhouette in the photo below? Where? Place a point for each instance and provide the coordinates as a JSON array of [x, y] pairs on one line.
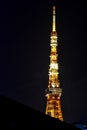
[[16, 116]]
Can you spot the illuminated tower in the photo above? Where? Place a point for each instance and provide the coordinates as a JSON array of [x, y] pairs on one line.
[[53, 92]]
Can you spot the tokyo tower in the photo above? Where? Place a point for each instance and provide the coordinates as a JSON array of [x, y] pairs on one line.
[[54, 91]]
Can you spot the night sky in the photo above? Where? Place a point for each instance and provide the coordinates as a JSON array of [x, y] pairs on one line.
[[25, 28]]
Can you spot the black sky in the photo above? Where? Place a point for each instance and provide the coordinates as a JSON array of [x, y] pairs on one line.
[[25, 28]]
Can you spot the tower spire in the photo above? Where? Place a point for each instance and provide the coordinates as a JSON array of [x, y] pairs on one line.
[[54, 91], [54, 20]]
